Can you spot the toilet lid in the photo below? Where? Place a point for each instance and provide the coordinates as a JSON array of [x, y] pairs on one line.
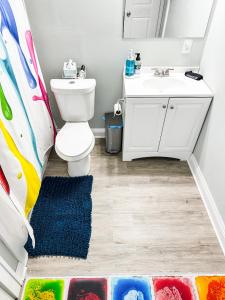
[[74, 139]]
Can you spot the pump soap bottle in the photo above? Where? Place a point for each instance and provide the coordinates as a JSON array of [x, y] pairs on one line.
[[137, 66], [130, 64]]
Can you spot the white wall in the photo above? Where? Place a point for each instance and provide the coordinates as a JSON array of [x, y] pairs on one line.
[[210, 150], [188, 18], [91, 33]]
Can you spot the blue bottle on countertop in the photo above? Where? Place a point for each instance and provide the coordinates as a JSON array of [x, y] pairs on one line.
[[130, 64]]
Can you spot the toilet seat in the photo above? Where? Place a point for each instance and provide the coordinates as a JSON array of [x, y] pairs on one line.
[[74, 141]]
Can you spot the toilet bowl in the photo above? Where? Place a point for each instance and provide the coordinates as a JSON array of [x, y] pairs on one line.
[[74, 143]]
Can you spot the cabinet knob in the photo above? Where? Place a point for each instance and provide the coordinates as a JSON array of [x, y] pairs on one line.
[[172, 107], [164, 106]]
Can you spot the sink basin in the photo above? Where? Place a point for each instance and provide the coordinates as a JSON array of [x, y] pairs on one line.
[[163, 83], [176, 85]]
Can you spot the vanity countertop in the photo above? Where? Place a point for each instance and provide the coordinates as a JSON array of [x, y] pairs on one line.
[[176, 85]]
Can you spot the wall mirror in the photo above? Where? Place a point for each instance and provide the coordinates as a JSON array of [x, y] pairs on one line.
[[144, 19]]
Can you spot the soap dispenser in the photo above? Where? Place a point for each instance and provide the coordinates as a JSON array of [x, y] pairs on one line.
[[130, 64], [138, 63]]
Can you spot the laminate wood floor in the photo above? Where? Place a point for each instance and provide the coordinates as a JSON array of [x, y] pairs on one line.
[[148, 218]]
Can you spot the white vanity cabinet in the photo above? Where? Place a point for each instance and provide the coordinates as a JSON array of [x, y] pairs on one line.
[[144, 120], [164, 126]]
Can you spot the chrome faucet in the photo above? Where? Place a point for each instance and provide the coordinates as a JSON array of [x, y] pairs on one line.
[[162, 72]]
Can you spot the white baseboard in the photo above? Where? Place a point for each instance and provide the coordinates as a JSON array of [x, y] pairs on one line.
[[209, 202], [99, 132]]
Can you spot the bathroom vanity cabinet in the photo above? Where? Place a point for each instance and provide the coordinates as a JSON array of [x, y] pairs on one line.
[[162, 126], [163, 116]]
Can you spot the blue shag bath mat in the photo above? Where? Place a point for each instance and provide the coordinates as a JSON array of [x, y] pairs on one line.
[[61, 218]]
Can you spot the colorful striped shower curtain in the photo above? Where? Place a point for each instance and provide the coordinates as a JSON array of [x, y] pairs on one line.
[[26, 125]]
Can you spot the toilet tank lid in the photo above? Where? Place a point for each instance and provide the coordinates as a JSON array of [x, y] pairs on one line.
[[72, 86]]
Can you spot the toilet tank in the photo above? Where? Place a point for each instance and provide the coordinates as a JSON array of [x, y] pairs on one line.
[[75, 98]]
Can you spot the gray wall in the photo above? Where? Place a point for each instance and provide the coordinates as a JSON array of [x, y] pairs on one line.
[[210, 150], [90, 31]]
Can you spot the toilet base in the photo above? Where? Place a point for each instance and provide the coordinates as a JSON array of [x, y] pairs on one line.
[[80, 167]]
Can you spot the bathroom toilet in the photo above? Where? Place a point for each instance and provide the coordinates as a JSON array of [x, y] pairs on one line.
[[75, 141]]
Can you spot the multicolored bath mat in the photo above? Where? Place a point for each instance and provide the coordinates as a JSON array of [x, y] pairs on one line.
[[211, 287], [177, 288], [126, 288], [61, 218], [131, 288], [87, 288], [44, 289]]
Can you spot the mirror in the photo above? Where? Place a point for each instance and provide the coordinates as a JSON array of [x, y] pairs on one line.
[[144, 19]]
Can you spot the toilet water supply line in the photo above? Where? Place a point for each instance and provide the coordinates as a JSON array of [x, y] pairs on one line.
[[118, 111]]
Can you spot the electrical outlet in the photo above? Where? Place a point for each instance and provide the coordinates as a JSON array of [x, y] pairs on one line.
[[187, 46]]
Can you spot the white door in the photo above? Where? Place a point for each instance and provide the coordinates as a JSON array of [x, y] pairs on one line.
[[144, 118], [141, 18], [183, 123], [4, 295], [13, 257]]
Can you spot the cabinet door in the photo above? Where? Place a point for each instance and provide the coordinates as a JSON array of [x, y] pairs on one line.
[[144, 118], [184, 120]]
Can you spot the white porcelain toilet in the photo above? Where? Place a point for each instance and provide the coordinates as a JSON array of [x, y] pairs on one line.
[[74, 142]]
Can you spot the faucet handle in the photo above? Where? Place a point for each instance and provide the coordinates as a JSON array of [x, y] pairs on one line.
[[157, 72], [167, 71]]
